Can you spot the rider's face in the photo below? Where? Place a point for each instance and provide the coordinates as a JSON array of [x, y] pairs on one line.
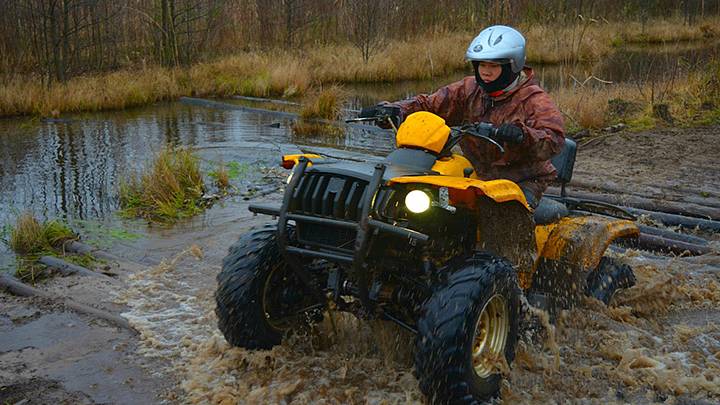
[[489, 71]]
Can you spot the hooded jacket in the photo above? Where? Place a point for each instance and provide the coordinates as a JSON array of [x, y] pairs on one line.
[[527, 105]]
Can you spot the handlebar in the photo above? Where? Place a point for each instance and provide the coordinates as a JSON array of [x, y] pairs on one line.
[[482, 130]]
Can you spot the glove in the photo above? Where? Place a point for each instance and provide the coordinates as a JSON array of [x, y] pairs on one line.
[[391, 111], [509, 133], [368, 112]]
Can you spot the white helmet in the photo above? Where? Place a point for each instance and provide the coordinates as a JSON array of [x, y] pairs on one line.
[[500, 44]]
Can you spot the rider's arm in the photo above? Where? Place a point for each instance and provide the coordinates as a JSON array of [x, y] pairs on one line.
[[448, 102], [543, 127]]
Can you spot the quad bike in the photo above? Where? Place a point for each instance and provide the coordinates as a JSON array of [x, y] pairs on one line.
[[420, 241]]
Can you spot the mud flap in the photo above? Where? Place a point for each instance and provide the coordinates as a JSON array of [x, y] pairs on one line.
[[569, 251]]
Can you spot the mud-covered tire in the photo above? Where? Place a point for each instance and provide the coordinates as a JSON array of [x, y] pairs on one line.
[[446, 331], [610, 276], [241, 285]]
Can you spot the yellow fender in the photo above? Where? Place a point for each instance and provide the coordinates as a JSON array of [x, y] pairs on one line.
[[581, 240], [568, 250]]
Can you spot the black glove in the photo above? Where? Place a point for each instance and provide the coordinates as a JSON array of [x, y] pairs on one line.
[[368, 112], [509, 133], [380, 110]]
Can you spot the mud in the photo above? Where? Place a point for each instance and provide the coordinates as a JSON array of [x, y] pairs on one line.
[[657, 342]]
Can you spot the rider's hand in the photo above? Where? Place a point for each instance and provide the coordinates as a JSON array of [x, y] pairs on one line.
[[510, 133], [368, 112], [382, 110]]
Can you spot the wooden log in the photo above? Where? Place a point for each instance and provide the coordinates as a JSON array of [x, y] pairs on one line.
[[66, 268], [83, 249], [670, 207], [660, 244], [266, 100], [666, 195], [678, 220], [14, 286], [651, 230], [664, 218]]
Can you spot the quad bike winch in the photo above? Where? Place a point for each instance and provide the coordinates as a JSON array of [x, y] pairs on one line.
[[421, 241]]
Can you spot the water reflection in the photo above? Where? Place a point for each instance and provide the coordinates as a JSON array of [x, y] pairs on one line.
[[70, 168]]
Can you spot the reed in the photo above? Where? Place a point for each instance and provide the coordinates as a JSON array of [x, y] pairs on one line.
[[170, 189], [283, 73], [30, 237]]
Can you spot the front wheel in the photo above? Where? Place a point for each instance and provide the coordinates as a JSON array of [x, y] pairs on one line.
[[259, 297], [468, 332]]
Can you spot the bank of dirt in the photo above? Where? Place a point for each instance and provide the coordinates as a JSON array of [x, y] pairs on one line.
[[657, 342]]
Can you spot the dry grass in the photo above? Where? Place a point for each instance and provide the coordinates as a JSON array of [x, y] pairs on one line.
[[170, 189], [29, 236], [112, 91], [288, 74], [692, 99], [324, 103], [221, 176]]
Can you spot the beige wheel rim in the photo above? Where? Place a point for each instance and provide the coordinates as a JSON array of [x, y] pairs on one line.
[[490, 337]]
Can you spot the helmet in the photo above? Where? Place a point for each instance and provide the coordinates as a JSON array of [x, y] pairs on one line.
[[500, 44]]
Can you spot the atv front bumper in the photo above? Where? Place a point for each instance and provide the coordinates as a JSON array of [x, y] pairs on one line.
[[364, 229]]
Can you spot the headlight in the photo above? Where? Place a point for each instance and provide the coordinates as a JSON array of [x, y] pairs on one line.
[[417, 201]]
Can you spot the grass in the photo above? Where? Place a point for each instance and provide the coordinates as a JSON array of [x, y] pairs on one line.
[[30, 239], [282, 73], [324, 104], [318, 107], [170, 189], [692, 99], [226, 172]]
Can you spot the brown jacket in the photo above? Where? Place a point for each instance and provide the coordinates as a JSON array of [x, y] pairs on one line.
[[527, 105]]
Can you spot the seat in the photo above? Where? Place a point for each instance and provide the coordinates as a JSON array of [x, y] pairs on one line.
[[548, 209], [564, 162]]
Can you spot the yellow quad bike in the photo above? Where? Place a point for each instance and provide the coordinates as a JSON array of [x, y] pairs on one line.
[[417, 240]]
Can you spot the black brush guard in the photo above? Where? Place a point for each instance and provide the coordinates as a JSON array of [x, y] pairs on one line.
[[364, 229]]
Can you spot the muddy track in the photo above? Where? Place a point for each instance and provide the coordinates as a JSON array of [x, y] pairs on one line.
[[659, 341]]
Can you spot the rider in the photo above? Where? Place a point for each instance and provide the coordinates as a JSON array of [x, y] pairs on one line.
[[503, 92]]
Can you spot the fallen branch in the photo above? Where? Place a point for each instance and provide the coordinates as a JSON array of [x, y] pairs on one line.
[[83, 249], [615, 188], [660, 244], [16, 287], [651, 230], [669, 207], [678, 220], [66, 268]]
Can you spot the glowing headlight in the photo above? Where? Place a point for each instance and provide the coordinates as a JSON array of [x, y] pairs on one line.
[[417, 201]]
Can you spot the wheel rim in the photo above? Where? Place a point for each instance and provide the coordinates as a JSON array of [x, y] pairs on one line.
[[490, 337], [272, 300]]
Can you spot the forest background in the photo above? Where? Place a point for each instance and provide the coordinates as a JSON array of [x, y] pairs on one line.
[[78, 55]]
